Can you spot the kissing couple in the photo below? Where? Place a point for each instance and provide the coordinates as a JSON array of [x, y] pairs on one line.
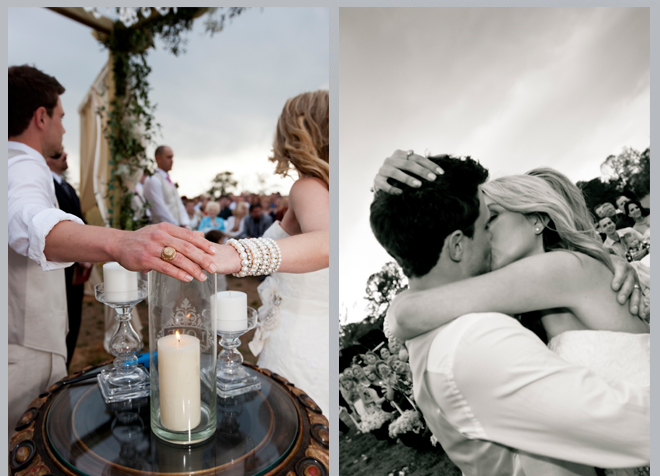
[[526, 339]]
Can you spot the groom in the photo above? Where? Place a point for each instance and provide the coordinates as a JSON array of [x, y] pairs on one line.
[[489, 389]]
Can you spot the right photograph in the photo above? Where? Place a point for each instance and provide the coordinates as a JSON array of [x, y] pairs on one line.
[[494, 247]]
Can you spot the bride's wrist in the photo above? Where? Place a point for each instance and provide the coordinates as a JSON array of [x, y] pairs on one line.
[[226, 259]]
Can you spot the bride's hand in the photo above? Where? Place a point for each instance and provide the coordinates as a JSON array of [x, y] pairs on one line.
[[226, 259], [626, 283], [399, 167]]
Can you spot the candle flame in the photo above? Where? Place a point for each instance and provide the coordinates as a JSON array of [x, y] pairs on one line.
[[178, 336], [188, 316]]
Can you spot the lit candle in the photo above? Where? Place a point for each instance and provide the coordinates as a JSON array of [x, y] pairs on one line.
[[179, 381], [119, 284], [231, 311]]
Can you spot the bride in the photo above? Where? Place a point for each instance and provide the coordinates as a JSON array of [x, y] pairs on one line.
[[551, 272], [292, 337]]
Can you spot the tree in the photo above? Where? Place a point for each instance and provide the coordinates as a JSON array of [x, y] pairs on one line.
[[596, 191], [222, 184], [381, 289], [630, 171]]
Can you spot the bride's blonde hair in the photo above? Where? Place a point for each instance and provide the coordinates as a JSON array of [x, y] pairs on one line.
[[546, 194], [584, 220], [302, 137]]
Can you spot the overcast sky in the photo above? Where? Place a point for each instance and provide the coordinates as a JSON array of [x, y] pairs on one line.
[[515, 88], [218, 103]]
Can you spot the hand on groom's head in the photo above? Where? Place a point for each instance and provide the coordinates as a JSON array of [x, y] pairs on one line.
[[399, 166]]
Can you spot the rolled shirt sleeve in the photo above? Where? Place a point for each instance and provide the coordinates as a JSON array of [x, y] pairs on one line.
[[32, 209], [507, 387]]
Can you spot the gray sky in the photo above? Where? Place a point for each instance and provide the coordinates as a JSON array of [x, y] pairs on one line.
[[218, 103], [514, 88]]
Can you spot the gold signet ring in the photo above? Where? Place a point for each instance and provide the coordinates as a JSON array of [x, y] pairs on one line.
[[168, 254]]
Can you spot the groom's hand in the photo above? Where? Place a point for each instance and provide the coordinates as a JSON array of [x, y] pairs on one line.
[[399, 166], [626, 283]]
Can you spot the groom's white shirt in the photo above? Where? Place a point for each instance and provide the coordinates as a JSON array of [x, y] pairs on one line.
[[490, 388]]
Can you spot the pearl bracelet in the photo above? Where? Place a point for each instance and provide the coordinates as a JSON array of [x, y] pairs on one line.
[[259, 256]]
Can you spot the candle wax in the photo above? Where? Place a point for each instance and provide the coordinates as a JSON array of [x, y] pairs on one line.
[[179, 382], [119, 284]]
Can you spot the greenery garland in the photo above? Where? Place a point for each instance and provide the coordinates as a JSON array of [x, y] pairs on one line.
[[130, 119]]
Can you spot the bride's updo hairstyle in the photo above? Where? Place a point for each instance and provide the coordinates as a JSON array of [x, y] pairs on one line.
[[566, 228], [303, 136]]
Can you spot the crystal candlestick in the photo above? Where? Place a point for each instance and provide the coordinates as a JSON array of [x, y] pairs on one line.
[[232, 378], [125, 381]]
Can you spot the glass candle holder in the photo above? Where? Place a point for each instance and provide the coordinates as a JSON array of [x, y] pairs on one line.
[[183, 353], [233, 378], [125, 380]]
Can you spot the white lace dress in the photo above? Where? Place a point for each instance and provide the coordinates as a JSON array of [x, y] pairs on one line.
[[292, 338], [612, 355]]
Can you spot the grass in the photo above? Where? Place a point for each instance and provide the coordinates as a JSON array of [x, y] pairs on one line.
[[362, 454]]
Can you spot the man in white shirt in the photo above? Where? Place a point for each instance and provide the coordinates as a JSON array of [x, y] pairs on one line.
[[614, 237], [162, 195], [43, 240], [489, 389], [613, 240]]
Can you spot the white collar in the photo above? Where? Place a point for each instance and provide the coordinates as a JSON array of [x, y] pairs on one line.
[[13, 145], [57, 177], [614, 241], [162, 172]]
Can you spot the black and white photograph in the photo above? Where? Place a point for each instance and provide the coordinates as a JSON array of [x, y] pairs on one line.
[[494, 246]]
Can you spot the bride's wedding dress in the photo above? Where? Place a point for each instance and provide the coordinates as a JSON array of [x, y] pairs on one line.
[[292, 337], [612, 355]]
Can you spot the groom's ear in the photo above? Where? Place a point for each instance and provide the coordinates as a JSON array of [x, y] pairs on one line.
[[455, 244]]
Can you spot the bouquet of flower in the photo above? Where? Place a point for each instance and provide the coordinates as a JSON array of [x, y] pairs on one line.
[[374, 420], [410, 421]]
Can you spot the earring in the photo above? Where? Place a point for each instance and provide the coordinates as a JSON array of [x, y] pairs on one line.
[[538, 230]]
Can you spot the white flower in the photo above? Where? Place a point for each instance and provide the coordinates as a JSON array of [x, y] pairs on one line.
[[123, 170], [409, 421], [374, 420]]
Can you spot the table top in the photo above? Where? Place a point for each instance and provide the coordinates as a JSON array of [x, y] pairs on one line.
[[70, 430]]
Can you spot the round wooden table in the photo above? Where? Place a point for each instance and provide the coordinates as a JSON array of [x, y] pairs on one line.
[[69, 430]]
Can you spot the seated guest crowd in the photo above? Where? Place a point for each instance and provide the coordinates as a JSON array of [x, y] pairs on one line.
[[246, 215], [377, 381], [625, 230]]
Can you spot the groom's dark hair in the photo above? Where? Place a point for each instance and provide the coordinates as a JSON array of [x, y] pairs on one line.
[[412, 226]]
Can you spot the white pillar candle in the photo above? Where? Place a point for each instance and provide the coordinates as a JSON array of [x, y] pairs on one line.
[[119, 284], [231, 311], [179, 382]]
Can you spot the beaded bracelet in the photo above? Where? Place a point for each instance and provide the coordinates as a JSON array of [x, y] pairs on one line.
[[259, 256]]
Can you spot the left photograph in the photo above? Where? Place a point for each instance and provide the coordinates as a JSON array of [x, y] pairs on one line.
[[168, 228]]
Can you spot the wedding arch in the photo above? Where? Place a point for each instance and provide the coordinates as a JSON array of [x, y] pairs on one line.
[[117, 117]]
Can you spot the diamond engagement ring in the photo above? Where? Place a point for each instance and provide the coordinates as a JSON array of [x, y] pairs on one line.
[[168, 254], [408, 154]]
